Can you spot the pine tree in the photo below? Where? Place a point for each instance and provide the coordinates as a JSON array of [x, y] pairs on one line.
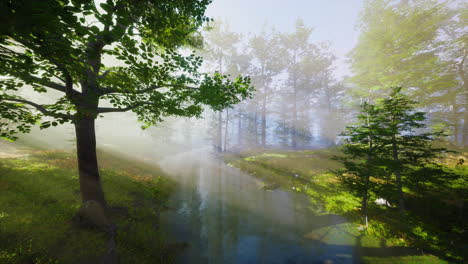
[[389, 141], [362, 150], [402, 133]]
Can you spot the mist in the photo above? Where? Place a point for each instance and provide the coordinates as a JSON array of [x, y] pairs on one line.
[[233, 131]]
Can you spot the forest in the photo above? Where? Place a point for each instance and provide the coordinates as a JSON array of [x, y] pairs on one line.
[[143, 131]]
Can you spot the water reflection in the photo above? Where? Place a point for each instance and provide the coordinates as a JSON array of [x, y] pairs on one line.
[[226, 217]]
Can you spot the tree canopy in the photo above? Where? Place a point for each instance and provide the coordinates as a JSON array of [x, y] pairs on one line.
[[125, 53]]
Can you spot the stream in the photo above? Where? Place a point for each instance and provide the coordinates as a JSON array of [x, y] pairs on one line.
[[226, 216]]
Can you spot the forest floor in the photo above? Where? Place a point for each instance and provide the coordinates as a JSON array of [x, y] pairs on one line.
[[432, 227], [40, 196]]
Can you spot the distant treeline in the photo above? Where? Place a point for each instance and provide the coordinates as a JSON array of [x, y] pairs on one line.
[[299, 102]]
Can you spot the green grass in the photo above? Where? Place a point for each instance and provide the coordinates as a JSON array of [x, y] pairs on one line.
[[39, 195], [309, 172]]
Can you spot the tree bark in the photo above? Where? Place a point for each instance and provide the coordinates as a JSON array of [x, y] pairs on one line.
[[399, 183], [219, 134], [90, 181], [263, 126], [294, 121], [239, 127], [465, 119], [226, 130]]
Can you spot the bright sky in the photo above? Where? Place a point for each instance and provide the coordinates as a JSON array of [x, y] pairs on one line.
[[332, 20]]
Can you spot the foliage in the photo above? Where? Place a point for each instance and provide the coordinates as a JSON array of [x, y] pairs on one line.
[[388, 143], [420, 45], [124, 53], [432, 223]]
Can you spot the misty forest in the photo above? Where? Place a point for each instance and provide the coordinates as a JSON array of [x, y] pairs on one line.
[[217, 131]]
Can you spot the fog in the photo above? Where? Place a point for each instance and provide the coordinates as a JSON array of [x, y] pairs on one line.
[[302, 64], [257, 181]]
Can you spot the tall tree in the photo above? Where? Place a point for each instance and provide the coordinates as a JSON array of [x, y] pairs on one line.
[[219, 49], [62, 46], [266, 51], [398, 45], [299, 52], [418, 44]]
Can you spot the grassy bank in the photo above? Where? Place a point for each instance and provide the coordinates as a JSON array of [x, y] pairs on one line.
[[39, 196], [433, 227]]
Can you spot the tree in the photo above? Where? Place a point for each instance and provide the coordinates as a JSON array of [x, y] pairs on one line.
[[362, 152], [420, 45], [66, 46], [399, 46], [299, 51], [402, 134], [389, 142], [309, 67], [266, 50], [219, 50]]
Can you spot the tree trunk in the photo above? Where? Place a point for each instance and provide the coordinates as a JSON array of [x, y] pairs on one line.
[[255, 129], [226, 130], [263, 126], [239, 127], [455, 131], [90, 181], [399, 183], [365, 195], [465, 120], [219, 135], [294, 121], [364, 201]]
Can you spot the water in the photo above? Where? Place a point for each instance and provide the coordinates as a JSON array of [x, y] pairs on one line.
[[226, 217]]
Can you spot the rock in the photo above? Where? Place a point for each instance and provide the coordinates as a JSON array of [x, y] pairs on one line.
[[382, 201]]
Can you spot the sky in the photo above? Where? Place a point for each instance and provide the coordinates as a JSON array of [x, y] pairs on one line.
[[332, 20]]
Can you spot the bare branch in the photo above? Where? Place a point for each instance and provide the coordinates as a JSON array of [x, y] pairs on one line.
[[39, 107]]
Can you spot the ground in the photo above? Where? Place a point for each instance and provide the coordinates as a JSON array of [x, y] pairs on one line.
[[40, 197], [433, 228]]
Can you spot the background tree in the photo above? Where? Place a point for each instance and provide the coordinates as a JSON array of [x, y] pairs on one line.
[[62, 46], [219, 51], [420, 45], [265, 50], [299, 51]]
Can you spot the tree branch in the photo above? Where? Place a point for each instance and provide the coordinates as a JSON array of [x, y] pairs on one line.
[[103, 75], [102, 110], [109, 90], [39, 107]]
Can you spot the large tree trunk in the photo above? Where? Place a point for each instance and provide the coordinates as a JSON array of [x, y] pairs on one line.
[[90, 181], [219, 133]]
